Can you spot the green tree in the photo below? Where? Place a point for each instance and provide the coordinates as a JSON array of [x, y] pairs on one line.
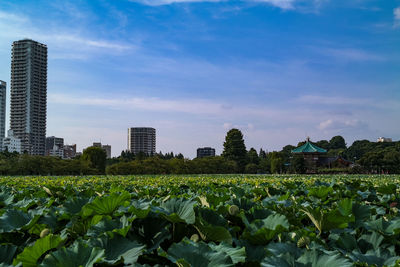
[[337, 142], [277, 162], [262, 154], [251, 168], [298, 164], [287, 153], [235, 149], [323, 144], [95, 157], [252, 156], [265, 165]]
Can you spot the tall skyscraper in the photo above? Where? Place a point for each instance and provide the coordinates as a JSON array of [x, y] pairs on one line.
[[3, 91], [29, 95], [142, 139]]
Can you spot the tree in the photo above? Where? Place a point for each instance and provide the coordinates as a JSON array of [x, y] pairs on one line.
[[337, 142], [251, 168], [95, 157], [265, 165], [287, 153], [235, 149], [262, 154], [277, 162], [323, 144], [298, 164], [252, 156]]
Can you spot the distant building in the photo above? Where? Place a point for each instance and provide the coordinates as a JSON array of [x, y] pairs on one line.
[[54, 146], [383, 139], [106, 148], [11, 143], [3, 92], [205, 152], [96, 144], [142, 139], [69, 151], [29, 95], [313, 155]]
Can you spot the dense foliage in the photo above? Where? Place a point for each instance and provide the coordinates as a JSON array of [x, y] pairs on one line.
[[200, 221], [364, 156]]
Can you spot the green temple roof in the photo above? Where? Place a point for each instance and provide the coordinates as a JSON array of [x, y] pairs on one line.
[[308, 147]]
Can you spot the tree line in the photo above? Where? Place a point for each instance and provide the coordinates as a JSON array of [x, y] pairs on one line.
[[367, 157]]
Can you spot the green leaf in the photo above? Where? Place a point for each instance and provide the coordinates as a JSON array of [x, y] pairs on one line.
[[74, 205], [316, 216], [374, 240], [151, 231], [15, 220], [30, 255], [212, 226], [320, 192], [274, 261], [260, 232], [6, 198], [236, 254], [385, 227], [140, 208], [105, 205], [345, 207], [282, 254], [119, 249], [335, 220], [198, 254], [178, 210], [120, 226], [214, 233], [361, 212], [7, 253], [75, 256], [387, 189], [315, 259]]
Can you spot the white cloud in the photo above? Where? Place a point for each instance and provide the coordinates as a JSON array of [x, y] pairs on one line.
[[200, 107], [283, 4], [336, 125], [396, 13], [332, 100], [350, 54], [79, 40], [191, 106], [168, 2], [69, 43], [355, 103], [11, 17]]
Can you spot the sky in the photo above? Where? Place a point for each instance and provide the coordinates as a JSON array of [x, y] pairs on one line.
[[278, 70]]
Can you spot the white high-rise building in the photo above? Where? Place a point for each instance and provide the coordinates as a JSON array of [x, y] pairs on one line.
[[29, 95], [142, 139], [11, 143]]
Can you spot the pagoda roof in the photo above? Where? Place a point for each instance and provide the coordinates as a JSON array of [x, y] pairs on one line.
[[309, 147]]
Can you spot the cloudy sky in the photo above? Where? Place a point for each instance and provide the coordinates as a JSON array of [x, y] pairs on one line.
[[279, 70]]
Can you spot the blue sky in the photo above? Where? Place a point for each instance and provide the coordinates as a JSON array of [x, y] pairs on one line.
[[279, 70]]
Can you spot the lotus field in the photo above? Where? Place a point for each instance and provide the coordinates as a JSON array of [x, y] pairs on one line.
[[200, 221]]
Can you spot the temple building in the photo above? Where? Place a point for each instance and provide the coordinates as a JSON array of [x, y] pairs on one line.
[[316, 157], [312, 154]]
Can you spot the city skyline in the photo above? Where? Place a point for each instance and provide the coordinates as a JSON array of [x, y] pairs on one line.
[[277, 70]]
